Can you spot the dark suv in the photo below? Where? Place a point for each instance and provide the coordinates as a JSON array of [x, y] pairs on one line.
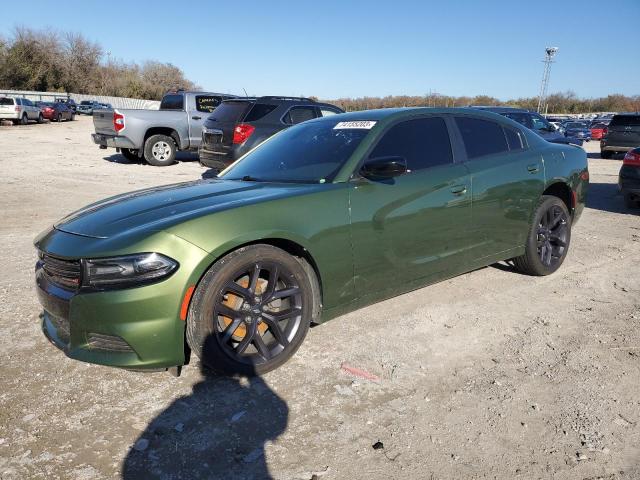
[[623, 134], [238, 125], [535, 122]]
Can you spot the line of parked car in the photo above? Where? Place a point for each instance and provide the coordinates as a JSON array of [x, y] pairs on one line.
[[22, 110]]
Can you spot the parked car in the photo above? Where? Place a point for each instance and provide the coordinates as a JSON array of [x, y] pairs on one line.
[[56, 111], [578, 130], [238, 125], [629, 178], [535, 122], [70, 102], [86, 107], [623, 134], [157, 135], [323, 218], [558, 126], [598, 130], [19, 110]]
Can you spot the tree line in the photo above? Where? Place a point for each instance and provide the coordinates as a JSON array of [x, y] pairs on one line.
[[44, 60], [567, 102]]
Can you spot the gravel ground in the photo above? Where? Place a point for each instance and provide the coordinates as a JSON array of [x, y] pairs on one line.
[[494, 374]]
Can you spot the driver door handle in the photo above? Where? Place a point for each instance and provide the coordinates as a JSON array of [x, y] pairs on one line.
[[196, 117], [459, 190], [533, 168]]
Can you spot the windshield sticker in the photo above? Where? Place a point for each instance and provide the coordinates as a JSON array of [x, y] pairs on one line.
[[363, 124]]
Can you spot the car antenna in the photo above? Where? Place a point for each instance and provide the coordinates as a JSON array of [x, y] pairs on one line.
[[245, 92]]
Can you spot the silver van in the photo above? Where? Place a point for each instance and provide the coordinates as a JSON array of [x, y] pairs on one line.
[[20, 110]]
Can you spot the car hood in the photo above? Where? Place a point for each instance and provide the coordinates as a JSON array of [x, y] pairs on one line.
[[159, 208]]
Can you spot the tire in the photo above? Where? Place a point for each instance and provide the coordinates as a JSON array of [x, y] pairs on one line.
[[209, 332], [40, 118], [24, 120], [129, 154], [73, 117], [630, 201], [542, 241], [606, 154], [59, 118], [160, 151]]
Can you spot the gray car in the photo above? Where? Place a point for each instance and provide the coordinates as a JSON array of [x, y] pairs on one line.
[[156, 135], [19, 110]]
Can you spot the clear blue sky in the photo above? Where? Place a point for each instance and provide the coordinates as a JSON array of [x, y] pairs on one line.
[[340, 48]]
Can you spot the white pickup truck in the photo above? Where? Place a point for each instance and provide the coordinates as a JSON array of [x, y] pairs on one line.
[[157, 135]]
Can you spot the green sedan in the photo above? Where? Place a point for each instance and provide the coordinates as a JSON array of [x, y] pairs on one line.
[[321, 219]]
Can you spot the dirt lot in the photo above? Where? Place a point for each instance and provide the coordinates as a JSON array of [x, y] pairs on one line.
[[494, 374]]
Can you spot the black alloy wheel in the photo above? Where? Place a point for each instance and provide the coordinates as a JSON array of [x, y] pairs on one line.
[[258, 312], [552, 236]]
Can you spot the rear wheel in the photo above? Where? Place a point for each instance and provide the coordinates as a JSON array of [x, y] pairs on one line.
[[548, 240], [606, 154], [160, 150], [131, 155], [24, 120], [252, 310]]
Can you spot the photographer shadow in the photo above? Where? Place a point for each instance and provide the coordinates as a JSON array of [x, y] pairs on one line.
[[218, 431]]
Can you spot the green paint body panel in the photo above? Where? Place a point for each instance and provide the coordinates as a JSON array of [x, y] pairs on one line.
[[368, 240]]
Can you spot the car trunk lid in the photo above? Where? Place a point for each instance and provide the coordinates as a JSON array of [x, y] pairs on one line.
[[218, 135], [103, 121]]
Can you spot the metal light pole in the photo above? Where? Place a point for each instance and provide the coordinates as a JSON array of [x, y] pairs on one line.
[[550, 52]]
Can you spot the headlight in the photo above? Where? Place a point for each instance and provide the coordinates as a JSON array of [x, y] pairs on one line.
[[127, 271]]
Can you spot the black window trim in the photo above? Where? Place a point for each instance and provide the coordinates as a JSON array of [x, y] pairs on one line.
[[452, 141]]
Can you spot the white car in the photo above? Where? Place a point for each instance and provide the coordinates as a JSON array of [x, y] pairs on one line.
[[20, 110]]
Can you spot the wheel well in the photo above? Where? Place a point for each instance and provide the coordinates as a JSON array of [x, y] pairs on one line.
[[562, 191], [169, 132]]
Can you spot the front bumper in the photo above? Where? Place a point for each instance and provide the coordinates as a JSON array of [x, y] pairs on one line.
[[114, 141], [137, 328]]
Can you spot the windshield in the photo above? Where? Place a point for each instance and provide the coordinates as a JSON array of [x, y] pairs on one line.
[[306, 153]]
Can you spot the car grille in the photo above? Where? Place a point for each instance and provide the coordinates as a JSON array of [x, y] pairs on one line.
[[65, 273], [110, 343]]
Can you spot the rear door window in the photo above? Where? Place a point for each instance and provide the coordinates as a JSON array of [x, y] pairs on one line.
[[423, 142], [207, 103], [299, 114], [514, 139], [27, 103], [481, 137], [258, 111], [520, 117], [172, 102]]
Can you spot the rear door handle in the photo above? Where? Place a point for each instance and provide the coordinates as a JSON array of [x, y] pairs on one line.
[[459, 190], [196, 117], [533, 168]]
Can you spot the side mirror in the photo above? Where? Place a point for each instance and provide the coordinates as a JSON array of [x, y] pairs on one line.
[[384, 167]]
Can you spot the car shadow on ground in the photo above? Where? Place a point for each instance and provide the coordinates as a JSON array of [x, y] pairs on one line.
[[180, 157], [218, 431], [597, 156]]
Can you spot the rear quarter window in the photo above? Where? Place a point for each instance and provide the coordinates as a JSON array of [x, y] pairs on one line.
[[299, 114], [230, 111], [481, 137]]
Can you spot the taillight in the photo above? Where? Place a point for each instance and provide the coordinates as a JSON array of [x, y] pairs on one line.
[[118, 121], [605, 130], [242, 132], [632, 158], [17, 109]]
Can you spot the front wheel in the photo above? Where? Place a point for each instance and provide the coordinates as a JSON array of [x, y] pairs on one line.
[[252, 310], [59, 118], [548, 240], [40, 118], [160, 150]]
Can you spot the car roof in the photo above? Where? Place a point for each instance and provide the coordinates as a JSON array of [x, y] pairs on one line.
[[497, 109], [391, 114]]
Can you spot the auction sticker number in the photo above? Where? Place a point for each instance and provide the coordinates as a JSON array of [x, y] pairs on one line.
[[364, 124]]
